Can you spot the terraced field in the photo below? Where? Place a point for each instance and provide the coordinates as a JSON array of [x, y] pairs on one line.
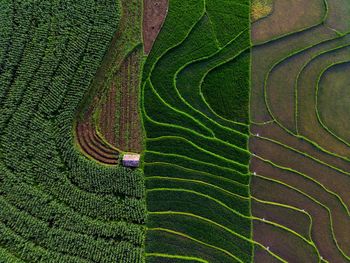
[[300, 156], [239, 109], [196, 158]]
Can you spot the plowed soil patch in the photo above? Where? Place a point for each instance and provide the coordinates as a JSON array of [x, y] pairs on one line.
[[153, 19]]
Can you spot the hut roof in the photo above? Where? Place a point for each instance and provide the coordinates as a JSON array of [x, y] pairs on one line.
[[131, 160]]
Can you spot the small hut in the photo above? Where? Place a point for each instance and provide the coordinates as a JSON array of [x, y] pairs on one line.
[[131, 160]]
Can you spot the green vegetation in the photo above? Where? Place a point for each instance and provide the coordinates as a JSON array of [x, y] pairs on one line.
[[261, 9], [196, 158], [245, 132], [57, 205]]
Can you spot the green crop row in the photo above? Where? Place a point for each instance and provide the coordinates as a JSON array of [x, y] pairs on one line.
[[169, 243], [205, 231], [57, 205], [196, 161], [178, 173]]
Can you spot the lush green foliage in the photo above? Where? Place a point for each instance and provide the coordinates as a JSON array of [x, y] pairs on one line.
[[196, 161], [56, 205]]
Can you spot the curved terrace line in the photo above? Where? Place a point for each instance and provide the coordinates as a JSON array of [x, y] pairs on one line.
[[213, 138], [308, 178], [196, 240], [199, 161], [331, 228], [201, 172], [197, 182], [176, 257], [317, 107]]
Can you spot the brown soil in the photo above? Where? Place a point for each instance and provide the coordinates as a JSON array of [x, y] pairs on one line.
[[308, 124], [267, 55], [93, 145], [273, 131], [113, 114], [283, 216], [154, 15], [283, 19], [130, 129], [284, 244], [280, 94], [262, 256], [331, 179], [321, 231], [107, 117]]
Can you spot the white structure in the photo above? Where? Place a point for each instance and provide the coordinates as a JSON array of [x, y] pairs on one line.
[[131, 160]]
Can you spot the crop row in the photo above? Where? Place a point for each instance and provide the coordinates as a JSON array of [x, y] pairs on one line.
[[57, 205], [196, 161]]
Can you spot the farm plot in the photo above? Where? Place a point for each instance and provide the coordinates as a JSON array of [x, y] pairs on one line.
[[196, 158], [56, 204], [333, 100], [299, 163], [112, 103], [154, 13]]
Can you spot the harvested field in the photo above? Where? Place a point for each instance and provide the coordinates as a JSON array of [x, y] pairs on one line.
[[273, 191], [265, 57], [297, 160], [154, 14], [285, 216], [285, 244], [262, 256], [333, 100], [283, 20], [308, 122]]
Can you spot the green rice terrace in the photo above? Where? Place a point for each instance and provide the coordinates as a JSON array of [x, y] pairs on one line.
[[174, 131]]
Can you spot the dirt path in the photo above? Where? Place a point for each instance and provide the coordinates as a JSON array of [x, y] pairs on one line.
[[154, 14]]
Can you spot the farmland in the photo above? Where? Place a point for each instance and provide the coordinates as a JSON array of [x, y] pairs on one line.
[[298, 135], [197, 135], [56, 204], [239, 110]]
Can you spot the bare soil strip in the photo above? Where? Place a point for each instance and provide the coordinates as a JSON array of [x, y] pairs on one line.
[[155, 12], [130, 130], [93, 146], [111, 113]]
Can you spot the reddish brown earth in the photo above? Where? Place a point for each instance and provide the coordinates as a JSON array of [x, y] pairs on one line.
[[107, 117], [262, 256], [154, 15], [283, 216], [93, 145], [331, 178], [112, 117], [279, 193], [284, 244], [130, 130]]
